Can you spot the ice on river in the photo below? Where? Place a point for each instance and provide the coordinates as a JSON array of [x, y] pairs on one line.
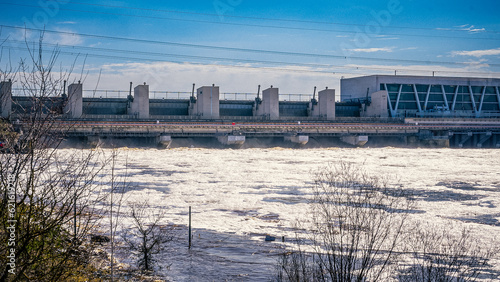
[[239, 196]]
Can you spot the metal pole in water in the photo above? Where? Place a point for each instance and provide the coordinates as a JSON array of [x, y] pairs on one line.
[[189, 231]]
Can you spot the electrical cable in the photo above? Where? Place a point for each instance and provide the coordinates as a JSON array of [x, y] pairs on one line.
[[128, 58], [284, 53], [214, 58]]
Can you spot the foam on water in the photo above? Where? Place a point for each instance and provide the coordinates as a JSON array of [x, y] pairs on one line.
[[239, 196]]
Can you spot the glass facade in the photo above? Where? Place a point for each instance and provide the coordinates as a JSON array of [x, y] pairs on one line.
[[419, 99]]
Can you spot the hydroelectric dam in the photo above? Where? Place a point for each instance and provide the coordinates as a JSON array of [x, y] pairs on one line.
[[407, 110]]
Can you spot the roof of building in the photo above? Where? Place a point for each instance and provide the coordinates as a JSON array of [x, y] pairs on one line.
[[415, 77]]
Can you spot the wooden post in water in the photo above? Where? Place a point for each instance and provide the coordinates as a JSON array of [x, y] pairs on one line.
[[189, 231]]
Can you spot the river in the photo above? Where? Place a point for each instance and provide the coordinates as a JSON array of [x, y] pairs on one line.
[[239, 196]]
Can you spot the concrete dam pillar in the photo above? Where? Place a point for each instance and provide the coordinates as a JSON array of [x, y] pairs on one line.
[[236, 140], [140, 105], [358, 141], [6, 98], [207, 102], [377, 106], [298, 139], [326, 105], [74, 106], [164, 141], [270, 106]]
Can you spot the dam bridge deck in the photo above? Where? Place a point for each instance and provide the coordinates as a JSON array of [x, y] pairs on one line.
[[459, 133]]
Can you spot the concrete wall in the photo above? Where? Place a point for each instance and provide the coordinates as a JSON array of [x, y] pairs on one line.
[[6, 98], [326, 103], [105, 106], [140, 105], [378, 106], [207, 102], [356, 87], [270, 106], [74, 105]]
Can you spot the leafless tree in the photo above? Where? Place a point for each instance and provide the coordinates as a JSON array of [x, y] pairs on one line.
[[356, 224], [118, 188], [445, 253], [147, 236], [51, 193]]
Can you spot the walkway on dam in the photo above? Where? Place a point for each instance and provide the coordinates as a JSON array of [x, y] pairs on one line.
[[209, 126]]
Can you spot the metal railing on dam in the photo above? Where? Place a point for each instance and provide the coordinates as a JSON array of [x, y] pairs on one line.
[[186, 95], [156, 94], [163, 118]]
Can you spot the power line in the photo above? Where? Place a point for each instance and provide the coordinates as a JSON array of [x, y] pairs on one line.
[[177, 62], [215, 58], [242, 49], [259, 25], [178, 55], [270, 19], [128, 58]]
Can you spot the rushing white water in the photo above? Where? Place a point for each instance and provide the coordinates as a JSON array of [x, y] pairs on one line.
[[239, 196]]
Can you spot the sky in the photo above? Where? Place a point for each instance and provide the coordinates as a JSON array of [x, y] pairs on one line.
[[240, 44]]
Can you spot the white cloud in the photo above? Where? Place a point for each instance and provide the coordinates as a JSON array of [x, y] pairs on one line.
[[471, 28], [385, 37], [466, 27], [66, 38], [409, 48], [477, 53], [373, 50], [67, 22], [173, 77], [96, 44], [166, 76], [22, 35]]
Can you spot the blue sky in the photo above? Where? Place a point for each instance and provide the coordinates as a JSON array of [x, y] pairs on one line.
[[239, 44]]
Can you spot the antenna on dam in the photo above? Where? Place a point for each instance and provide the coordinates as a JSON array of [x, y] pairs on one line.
[[130, 98], [258, 100], [313, 100], [64, 91], [192, 98]]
